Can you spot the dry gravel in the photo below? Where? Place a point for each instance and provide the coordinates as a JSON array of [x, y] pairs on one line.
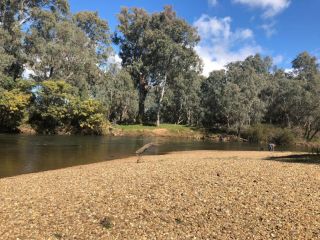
[[188, 195]]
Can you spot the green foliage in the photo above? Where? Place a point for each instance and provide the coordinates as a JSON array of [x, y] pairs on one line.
[[52, 109], [57, 109], [160, 74], [231, 98], [170, 129], [155, 48], [118, 95], [259, 133], [263, 133], [88, 117], [182, 100], [284, 137], [12, 109]]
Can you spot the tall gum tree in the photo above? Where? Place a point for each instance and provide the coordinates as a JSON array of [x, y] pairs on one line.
[[15, 19], [71, 48], [155, 48], [172, 41], [133, 24]]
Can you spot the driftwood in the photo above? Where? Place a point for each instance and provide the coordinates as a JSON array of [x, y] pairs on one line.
[[143, 149]]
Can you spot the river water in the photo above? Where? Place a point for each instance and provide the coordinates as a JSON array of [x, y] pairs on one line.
[[26, 154]]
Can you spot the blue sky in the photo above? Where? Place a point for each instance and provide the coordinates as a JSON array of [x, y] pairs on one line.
[[233, 29]]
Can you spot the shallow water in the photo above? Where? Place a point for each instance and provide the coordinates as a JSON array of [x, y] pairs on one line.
[[26, 154]]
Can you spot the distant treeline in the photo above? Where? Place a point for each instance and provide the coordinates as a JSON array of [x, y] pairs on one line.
[[73, 86]]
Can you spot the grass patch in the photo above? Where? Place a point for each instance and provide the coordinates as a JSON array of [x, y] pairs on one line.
[[171, 127], [163, 129]]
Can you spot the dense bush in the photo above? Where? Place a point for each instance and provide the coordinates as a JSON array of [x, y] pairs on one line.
[[52, 109], [258, 134], [263, 133], [56, 109], [12, 108], [88, 117], [284, 137]]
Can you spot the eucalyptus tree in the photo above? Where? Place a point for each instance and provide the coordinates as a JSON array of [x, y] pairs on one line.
[[74, 50], [306, 70], [15, 18], [181, 104], [287, 104], [98, 32], [172, 51], [296, 99], [133, 24], [212, 93], [117, 93], [155, 48], [5, 60], [225, 99], [305, 67], [232, 97]]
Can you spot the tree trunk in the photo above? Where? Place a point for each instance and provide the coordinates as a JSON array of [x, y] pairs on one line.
[[51, 72], [142, 98], [189, 117], [228, 124], [162, 90], [314, 134], [238, 131], [288, 121], [143, 91]]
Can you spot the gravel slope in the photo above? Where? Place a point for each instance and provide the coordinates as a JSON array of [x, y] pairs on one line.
[[187, 195]]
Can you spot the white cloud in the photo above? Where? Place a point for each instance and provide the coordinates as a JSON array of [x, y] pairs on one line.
[[278, 59], [115, 59], [220, 45], [270, 7], [288, 70], [213, 2], [269, 28], [27, 73]]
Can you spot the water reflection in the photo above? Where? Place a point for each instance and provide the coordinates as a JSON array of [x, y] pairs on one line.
[[26, 154]]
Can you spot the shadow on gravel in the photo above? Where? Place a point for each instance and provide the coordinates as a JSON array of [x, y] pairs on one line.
[[298, 158]]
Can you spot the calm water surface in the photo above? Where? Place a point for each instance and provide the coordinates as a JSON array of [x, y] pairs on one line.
[[27, 154]]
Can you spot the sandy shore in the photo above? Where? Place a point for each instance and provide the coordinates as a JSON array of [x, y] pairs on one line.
[[188, 195]]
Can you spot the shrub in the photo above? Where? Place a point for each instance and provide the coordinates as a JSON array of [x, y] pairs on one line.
[[262, 133], [12, 109], [52, 108], [257, 134], [57, 109], [283, 137], [88, 117]]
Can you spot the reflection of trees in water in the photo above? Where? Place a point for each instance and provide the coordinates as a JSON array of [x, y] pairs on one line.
[[25, 154]]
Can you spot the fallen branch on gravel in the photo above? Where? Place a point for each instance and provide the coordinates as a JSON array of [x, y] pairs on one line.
[[143, 149]]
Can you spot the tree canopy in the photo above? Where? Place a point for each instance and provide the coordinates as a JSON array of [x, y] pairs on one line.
[[58, 74]]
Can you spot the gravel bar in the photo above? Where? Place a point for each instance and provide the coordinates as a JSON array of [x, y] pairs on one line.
[[183, 195]]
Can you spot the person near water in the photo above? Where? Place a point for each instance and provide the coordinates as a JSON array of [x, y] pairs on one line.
[[271, 147]]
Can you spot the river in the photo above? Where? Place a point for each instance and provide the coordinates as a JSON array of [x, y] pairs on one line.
[[20, 154]]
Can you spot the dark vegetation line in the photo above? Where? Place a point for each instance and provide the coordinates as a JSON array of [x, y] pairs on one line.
[[75, 88]]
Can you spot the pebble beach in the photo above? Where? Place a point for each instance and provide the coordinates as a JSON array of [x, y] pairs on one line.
[[182, 195]]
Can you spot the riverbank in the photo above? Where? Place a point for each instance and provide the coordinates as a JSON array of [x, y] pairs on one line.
[[182, 131], [164, 130], [203, 194], [173, 131]]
